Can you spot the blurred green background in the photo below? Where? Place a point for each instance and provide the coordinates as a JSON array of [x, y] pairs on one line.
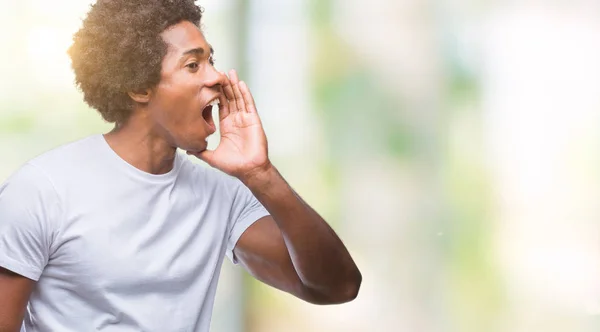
[[453, 144]]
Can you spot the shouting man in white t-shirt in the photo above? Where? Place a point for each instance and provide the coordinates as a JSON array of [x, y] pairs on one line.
[[120, 232]]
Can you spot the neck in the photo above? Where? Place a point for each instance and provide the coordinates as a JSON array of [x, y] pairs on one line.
[[142, 147]]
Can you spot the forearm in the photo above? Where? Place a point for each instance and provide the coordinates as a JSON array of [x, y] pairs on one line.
[[319, 257]]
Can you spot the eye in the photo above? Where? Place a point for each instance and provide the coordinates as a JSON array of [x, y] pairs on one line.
[[192, 65], [212, 60]]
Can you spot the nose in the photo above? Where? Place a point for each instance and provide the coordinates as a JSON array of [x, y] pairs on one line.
[[214, 78]]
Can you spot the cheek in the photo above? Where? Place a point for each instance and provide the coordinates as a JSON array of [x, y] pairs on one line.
[[172, 107], [185, 121], [178, 107]]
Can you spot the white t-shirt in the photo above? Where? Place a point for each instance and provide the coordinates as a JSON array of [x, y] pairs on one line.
[[113, 248]]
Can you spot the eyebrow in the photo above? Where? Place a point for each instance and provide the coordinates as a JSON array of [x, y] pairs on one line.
[[197, 51]]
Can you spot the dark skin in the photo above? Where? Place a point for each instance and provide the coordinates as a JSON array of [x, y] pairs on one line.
[[15, 290], [293, 249]]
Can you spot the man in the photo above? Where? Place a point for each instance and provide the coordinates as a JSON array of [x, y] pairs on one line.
[[120, 232]]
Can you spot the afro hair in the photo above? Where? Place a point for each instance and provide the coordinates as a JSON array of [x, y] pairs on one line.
[[119, 49]]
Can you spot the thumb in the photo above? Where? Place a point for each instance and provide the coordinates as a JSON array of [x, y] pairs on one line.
[[207, 156]]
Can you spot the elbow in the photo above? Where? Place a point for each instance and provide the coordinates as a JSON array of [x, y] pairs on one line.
[[345, 291], [350, 290]]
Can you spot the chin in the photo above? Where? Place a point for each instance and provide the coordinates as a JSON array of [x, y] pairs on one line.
[[196, 144], [201, 145]]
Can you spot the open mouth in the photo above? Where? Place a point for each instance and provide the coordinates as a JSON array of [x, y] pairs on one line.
[[207, 114]]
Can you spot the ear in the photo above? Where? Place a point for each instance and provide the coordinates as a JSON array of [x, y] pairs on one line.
[[140, 96]]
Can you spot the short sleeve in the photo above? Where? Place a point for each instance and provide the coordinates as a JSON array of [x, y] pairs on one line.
[[28, 211], [245, 211]]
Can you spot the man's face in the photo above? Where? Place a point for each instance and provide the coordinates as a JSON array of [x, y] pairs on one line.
[[179, 106]]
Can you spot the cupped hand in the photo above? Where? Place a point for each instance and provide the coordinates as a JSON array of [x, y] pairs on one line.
[[243, 149]]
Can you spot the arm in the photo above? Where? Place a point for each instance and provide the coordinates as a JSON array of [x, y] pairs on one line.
[[294, 249], [15, 291], [28, 210]]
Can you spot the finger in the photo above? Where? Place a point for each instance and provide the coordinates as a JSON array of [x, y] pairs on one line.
[[230, 96], [239, 100], [248, 98], [233, 77], [224, 107], [207, 156], [227, 88]]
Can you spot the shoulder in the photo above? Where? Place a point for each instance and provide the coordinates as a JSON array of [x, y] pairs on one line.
[[70, 164], [42, 175], [68, 155], [28, 192], [28, 178]]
